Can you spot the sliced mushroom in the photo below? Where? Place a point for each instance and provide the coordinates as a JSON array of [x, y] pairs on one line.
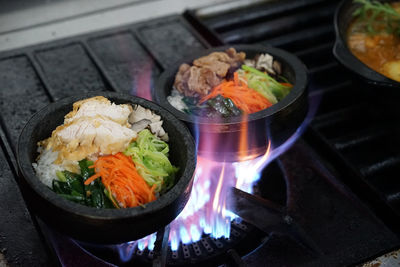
[[277, 66], [250, 63], [139, 113], [156, 128], [264, 62], [140, 125], [142, 118], [165, 137]]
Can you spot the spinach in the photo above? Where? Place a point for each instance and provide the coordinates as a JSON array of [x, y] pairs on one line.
[[78, 199], [94, 195], [71, 186], [72, 189], [194, 108], [224, 106], [75, 182], [86, 172], [217, 106], [61, 187]]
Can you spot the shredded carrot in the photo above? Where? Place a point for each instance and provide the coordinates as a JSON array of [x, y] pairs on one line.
[[120, 177], [287, 84], [245, 98]]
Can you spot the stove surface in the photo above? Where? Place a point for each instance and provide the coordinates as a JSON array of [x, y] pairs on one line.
[[342, 201]]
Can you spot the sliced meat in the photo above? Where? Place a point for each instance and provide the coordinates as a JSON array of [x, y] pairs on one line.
[[95, 126], [236, 59], [182, 77], [217, 62], [201, 81], [99, 106], [89, 135], [221, 62], [207, 72]]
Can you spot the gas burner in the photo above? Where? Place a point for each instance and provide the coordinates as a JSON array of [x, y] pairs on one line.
[[244, 237], [207, 251], [309, 214]]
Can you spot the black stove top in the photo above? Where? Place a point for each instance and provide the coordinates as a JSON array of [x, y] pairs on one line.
[[334, 195]]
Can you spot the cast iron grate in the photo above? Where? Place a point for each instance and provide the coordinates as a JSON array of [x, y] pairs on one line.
[[210, 251], [356, 126]]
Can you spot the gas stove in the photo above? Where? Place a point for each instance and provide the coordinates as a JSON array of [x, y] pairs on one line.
[[331, 199]]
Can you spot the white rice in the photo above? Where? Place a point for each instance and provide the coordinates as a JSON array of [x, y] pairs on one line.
[[45, 168], [175, 99]]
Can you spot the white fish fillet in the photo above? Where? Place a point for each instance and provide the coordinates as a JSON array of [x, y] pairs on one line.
[[99, 106], [94, 127]]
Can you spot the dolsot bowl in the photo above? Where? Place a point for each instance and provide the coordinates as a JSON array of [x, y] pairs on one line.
[[106, 226], [274, 124]]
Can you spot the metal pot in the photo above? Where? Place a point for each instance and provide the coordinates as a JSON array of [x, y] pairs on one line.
[[342, 20], [104, 225], [275, 124]]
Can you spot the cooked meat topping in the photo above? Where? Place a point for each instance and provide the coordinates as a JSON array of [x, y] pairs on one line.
[[207, 72], [89, 135], [220, 62], [182, 77], [201, 81], [95, 126], [99, 106]]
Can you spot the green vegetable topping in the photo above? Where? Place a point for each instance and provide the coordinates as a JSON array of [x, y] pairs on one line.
[[150, 155], [270, 88], [378, 16], [70, 186]]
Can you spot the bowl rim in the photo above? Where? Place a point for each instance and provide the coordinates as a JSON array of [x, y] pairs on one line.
[[343, 54], [27, 173], [299, 69]]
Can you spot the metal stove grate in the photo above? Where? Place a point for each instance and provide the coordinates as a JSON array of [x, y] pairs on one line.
[[211, 251]]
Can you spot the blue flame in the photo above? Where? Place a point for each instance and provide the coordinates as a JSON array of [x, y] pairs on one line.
[[152, 241], [174, 242], [204, 214], [195, 233], [185, 237], [126, 250], [142, 244]]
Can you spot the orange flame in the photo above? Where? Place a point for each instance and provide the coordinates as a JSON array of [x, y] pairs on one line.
[[216, 207], [251, 168], [243, 143]]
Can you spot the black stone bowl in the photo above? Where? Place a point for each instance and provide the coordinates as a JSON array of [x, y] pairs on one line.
[[105, 226], [342, 20], [219, 139]]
